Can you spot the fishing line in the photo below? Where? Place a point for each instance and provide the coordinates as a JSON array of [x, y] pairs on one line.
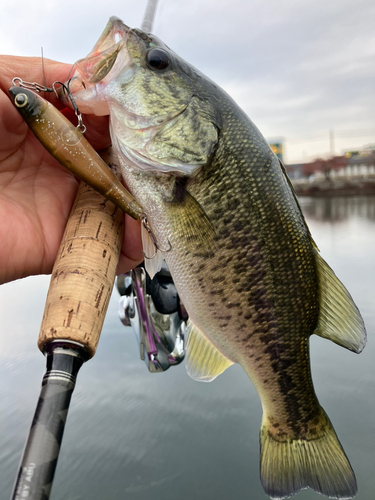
[[43, 73]]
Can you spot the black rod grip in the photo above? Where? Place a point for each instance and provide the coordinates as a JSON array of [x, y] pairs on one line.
[[38, 464]]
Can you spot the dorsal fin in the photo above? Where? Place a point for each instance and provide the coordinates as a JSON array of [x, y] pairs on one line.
[[289, 182], [203, 360], [339, 318]]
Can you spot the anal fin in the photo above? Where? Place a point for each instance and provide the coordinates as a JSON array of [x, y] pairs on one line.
[[203, 360], [339, 318]]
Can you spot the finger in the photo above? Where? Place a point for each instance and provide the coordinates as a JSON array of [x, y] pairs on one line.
[[131, 252], [97, 131], [13, 129], [31, 69]]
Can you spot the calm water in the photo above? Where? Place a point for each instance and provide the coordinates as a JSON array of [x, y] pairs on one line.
[[135, 435]]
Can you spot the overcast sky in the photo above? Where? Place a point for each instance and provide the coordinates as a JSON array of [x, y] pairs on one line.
[[299, 68]]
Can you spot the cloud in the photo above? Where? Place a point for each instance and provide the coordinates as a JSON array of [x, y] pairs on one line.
[[297, 68]]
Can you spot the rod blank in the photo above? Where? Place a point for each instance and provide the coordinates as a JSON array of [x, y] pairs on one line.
[[148, 19], [38, 465], [80, 288]]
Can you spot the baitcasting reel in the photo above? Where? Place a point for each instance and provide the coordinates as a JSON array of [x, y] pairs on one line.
[[154, 310]]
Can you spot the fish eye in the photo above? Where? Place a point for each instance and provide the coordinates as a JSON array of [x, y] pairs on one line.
[[157, 59], [21, 100]]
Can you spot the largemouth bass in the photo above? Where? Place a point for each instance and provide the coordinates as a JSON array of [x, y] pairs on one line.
[[226, 220]]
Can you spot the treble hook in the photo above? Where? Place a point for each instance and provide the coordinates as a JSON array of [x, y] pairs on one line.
[[37, 87], [146, 225], [81, 127]]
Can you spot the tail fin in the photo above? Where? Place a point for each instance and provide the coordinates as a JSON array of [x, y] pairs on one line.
[[288, 466]]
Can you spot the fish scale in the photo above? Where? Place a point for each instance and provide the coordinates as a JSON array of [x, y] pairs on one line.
[[260, 303], [227, 221]]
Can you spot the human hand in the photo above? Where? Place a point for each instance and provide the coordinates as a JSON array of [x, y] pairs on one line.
[[36, 192]]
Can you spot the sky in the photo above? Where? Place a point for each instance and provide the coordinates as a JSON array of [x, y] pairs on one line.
[[303, 70]]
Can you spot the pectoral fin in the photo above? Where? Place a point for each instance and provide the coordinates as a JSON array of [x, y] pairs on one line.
[[339, 318], [203, 361], [189, 221]]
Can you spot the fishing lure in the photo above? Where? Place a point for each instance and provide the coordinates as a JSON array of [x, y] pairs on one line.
[[68, 145]]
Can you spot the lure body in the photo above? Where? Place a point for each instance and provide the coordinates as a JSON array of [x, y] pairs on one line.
[[71, 149]]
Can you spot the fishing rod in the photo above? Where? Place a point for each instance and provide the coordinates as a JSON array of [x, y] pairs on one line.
[[148, 18], [78, 296], [80, 288]]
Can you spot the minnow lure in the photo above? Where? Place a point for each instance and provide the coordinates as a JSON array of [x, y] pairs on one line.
[[71, 149]]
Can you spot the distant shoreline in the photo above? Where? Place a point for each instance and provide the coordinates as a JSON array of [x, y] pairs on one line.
[[343, 186]]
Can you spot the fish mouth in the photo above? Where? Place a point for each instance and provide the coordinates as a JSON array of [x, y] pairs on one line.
[[90, 73]]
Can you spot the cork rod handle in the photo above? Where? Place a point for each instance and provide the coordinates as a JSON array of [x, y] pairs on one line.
[[84, 271]]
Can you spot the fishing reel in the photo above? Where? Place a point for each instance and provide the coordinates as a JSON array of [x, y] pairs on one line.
[[156, 314]]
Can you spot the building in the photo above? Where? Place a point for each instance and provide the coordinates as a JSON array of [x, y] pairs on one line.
[[352, 164]]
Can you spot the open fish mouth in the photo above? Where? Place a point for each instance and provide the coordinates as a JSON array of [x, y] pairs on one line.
[[90, 74], [144, 132]]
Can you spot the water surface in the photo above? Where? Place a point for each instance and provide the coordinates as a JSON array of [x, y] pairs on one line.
[[135, 435]]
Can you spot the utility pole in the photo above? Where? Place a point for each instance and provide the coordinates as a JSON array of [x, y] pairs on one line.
[[332, 142]]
